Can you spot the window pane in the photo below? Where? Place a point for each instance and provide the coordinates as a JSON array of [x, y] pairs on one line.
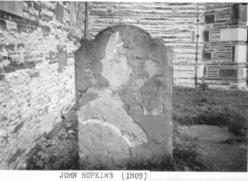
[[233, 53], [206, 35], [207, 55], [209, 18], [235, 11]]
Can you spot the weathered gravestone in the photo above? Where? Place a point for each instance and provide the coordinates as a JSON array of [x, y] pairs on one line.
[[124, 97]]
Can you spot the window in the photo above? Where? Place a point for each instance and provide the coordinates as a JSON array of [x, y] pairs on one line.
[[243, 13], [206, 35], [235, 11], [233, 54], [228, 73], [209, 18], [207, 55], [239, 12]]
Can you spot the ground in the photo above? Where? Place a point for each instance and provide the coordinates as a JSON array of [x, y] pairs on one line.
[[59, 149], [210, 134], [210, 129]]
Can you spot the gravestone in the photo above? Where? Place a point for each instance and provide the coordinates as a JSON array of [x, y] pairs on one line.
[[124, 99]]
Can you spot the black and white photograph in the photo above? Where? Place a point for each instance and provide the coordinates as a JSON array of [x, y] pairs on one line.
[[101, 85]]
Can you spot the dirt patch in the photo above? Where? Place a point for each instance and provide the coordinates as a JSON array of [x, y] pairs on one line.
[[207, 133], [223, 157], [209, 148], [217, 137], [212, 107]]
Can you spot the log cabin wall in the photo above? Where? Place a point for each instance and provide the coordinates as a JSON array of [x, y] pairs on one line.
[[174, 23], [219, 62]]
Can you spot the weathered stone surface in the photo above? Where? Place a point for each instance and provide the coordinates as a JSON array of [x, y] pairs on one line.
[[33, 94], [124, 96], [102, 144]]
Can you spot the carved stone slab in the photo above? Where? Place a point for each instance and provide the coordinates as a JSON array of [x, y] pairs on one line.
[[124, 98]]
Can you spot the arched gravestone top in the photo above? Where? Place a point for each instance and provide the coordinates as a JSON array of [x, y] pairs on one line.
[[124, 97]]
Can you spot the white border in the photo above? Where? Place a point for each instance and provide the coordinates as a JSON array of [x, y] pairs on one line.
[[153, 176], [177, 1], [117, 175]]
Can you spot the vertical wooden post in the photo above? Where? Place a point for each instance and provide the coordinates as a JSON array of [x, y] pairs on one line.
[[86, 28], [197, 39]]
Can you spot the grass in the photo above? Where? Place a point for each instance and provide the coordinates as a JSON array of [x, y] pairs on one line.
[[191, 106], [187, 159], [212, 107]]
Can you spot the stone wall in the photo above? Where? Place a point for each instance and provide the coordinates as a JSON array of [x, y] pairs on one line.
[[37, 44], [225, 48]]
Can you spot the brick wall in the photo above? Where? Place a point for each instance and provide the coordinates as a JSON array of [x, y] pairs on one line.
[[37, 42]]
